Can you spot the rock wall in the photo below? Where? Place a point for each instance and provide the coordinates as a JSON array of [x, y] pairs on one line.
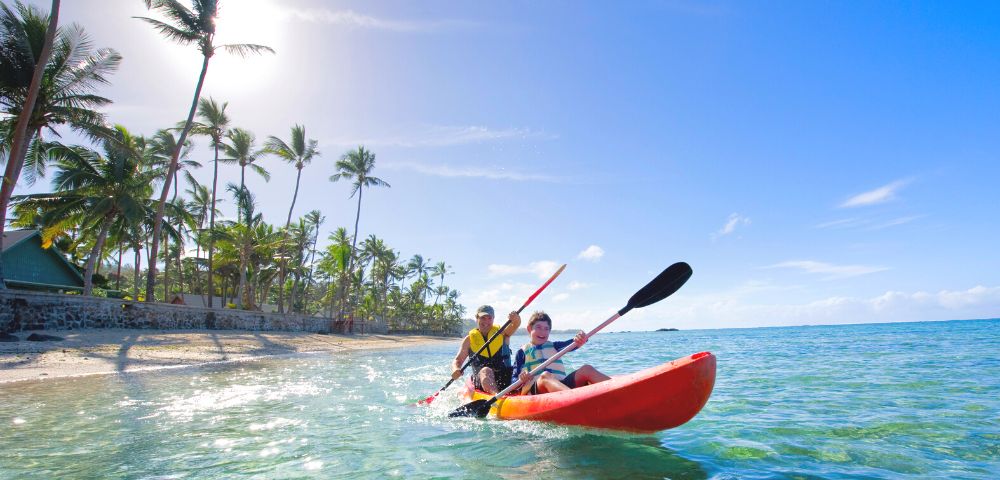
[[23, 310]]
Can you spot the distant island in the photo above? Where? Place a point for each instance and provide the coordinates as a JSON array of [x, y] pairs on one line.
[[666, 329]]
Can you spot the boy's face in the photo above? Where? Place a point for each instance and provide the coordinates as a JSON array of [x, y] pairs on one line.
[[540, 332]]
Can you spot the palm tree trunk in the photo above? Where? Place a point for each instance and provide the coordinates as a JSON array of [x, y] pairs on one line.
[[166, 267], [21, 139], [158, 220], [211, 228], [312, 258], [281, 287], [239, 211], [294, 196], [354, 244], [196, 280], [118, 281], [95, 253], [138, 258], [180, 268], [225, 284], [241, 290]]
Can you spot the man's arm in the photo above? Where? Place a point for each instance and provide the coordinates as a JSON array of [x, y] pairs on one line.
[[463, 353], [515, 323]]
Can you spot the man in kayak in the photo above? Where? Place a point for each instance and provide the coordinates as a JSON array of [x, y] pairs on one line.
[[491, 370], [554, 378]]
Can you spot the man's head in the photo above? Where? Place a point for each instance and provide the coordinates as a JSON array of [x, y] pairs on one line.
[[484, 317], [539, 327]]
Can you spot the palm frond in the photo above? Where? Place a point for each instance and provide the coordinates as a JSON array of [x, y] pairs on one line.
[[245, 49], [261, 171], [183, 37]]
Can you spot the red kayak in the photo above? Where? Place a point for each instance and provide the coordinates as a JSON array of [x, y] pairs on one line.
[[658, 398]]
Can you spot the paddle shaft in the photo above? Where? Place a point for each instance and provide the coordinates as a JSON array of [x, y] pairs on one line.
[[505, 325], [557, 356]]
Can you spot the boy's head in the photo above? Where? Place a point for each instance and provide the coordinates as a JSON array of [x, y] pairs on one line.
[[539, 327]]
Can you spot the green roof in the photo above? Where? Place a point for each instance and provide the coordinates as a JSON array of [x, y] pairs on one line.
[[27, 264]]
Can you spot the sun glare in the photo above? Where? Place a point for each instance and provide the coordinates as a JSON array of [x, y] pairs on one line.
[[245, 21]]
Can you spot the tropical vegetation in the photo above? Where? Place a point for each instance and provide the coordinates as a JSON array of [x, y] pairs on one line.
[[111, 203]]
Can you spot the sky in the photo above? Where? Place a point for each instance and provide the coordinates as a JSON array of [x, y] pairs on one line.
[[814, 162]]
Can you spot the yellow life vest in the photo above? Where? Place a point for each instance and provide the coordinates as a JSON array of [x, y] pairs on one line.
[[476, 341]]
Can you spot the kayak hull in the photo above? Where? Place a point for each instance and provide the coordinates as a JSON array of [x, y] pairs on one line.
[[658, 398]]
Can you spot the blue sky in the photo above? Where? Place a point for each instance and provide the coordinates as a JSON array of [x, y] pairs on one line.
[[815, 162]]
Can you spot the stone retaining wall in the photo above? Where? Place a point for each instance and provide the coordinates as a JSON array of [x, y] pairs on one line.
[[23, 310]]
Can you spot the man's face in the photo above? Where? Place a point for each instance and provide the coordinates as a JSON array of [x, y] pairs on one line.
[[485, 322]]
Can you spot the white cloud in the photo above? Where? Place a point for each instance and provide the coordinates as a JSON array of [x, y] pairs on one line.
[[731, 309], [879, 195], [734, 221], [869, 223], [831, 271], [592, 253], [842, 223], [350, 18], [896, 221], [560, 297], [445, 136], [501, 296], [469, 172], [575, 285], [542, 269]]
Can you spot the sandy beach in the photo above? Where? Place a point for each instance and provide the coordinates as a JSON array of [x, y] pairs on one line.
[[93, 352]]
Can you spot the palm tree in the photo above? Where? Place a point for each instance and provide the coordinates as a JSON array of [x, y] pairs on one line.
[[190, 26], [298, 239], [163, 144], [299, 153], [357, 166], [213, 125], [315, 218], [240, 150], [440, 269], [334, 263], [14, 36], [61, 92], [94, 190], [241, 234]]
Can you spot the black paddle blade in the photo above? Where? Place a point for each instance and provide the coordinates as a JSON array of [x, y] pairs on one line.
[[478, 409], [664, 285]]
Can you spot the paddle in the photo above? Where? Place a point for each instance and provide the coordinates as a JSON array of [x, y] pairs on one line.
[[492, 337], [665, 284]]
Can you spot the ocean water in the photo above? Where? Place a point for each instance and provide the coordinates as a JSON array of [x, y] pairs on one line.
[[907, 400]]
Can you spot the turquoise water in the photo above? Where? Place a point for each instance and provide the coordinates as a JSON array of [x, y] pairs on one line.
[[913, 400]]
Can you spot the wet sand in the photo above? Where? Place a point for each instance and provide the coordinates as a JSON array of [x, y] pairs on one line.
[[107, 351]]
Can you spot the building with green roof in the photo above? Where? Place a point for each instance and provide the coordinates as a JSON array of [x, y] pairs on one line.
[[29, 266]]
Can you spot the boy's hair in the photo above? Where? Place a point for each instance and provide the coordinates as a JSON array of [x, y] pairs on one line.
[[539, 316]]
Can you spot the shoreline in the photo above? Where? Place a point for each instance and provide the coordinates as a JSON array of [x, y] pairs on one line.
[[112, 351]]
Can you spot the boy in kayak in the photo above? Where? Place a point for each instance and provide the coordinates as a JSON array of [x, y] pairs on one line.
[[554, 378], [491, 370]]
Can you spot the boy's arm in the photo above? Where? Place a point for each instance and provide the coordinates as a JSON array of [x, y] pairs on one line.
[[563, 344], [519, 365], [518, 362]]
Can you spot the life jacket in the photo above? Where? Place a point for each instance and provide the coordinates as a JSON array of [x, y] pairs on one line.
[[535, 355], [496, 355]]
